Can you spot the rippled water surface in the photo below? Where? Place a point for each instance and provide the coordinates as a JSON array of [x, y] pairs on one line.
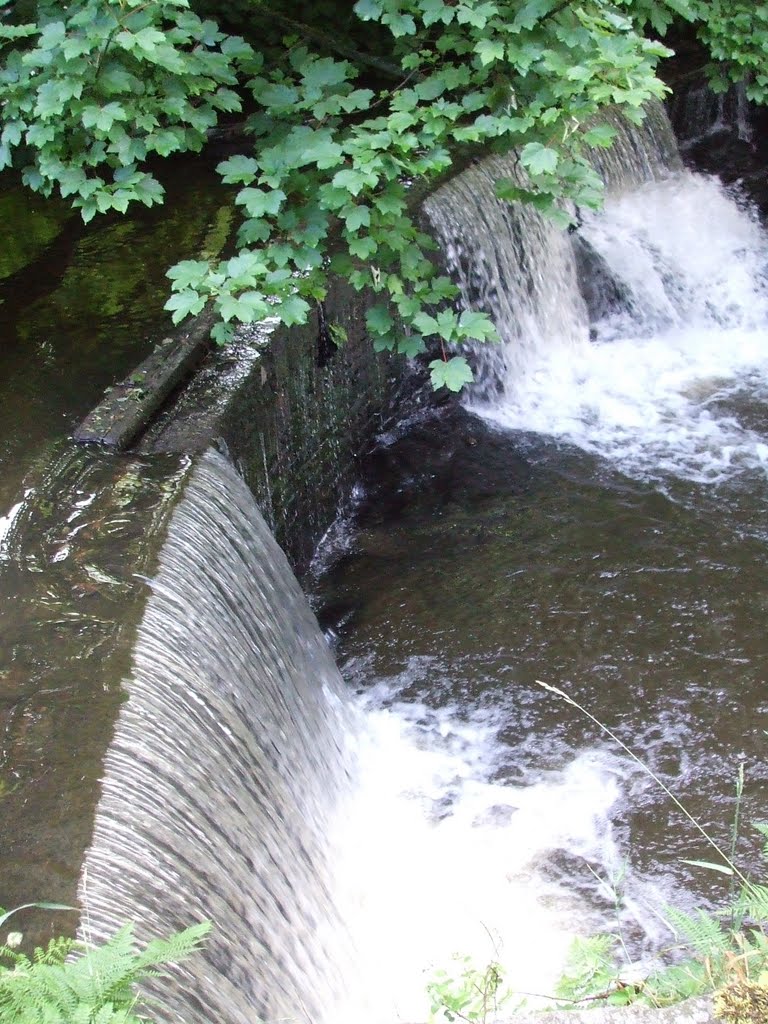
[[78, 308], [597, 522]]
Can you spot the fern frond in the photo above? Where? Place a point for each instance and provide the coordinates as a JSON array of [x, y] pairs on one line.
[[96, 987], [178, 947], [753, 902], [699, 930]]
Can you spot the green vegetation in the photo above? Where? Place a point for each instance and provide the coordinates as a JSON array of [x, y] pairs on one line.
[[346, 108], [470, 995], [71, 982]]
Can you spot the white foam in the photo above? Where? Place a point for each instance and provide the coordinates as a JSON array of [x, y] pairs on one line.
[[464, 864], [661, 388]]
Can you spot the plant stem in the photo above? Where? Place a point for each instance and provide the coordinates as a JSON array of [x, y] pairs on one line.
[[649, 771]]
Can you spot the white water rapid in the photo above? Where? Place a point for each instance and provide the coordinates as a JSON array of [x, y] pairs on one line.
[[667, 383]]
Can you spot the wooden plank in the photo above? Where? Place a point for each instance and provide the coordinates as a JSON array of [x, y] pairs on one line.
[[126, 409]]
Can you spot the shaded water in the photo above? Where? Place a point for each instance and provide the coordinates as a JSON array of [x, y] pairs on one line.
[[78, 308], [597, 522]]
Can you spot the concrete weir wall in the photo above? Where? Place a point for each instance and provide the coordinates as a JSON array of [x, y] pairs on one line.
[[308, 413], [294, 407]]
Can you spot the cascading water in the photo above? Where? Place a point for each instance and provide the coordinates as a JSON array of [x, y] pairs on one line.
[[684, 322], [698, 112], [502, 824], [509, 259], [221, 781], [653, 388]]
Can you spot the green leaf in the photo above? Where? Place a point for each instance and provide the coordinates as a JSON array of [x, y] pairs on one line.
[[709, 866], [362, 246], [351, 180], [184, 303], [426, 323], [601, 135], [379, 320], [532, 12], [238, 170], [279, 97], [411, 345], [384, 343], [324, 73], [188, 273], [477, 326], [40, 906], [247, 307], [489, 50], [320, 149], [368, 10], [358, 99], [452, 373], [539, 159], [292, 310], [222, 333], [258, 202], [356, 217]]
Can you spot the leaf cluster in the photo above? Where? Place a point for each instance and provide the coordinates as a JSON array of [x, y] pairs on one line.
[[467, 993], [338, 135]]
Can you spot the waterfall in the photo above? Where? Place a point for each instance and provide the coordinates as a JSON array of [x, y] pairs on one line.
[[630, 337], [241, 787], [220, 784], [697, 112], [509, 259]]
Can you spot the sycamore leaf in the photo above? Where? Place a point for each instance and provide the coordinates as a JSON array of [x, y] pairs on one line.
[[379, 320], [411, 345], [489, 50], [368, 10], [258, 202], [188, 273], [452, 373], [351, 180], [532, 12], [184, 303], [238, 170], [601, 135], [539, 159], [477, 326], [384, 343], [292, 310], [356, 217], [222, 333]]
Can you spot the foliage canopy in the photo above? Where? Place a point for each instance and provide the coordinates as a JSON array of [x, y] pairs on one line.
[[345, 115]]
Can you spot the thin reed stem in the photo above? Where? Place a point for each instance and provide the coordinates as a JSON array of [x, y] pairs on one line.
[[649, 771]]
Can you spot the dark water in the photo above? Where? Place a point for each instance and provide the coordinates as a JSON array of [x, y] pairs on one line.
[[598, 522], [514, 560], [78, 308]]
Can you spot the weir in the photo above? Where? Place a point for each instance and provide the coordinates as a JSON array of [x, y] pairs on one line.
[[224, 772], [234, 757]]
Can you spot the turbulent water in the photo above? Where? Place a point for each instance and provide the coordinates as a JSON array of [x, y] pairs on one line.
[[596, 522], [632, 377], [654, 389]]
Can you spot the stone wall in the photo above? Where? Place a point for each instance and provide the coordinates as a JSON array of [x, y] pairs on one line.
[[308, 413], [296, 408]]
